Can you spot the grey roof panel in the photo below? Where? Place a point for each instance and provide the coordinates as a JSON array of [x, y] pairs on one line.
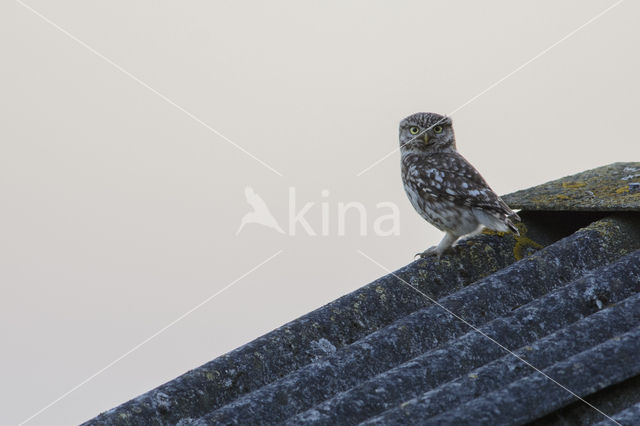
[[317, 334], [615, 187], [536, 395], [443, 378]]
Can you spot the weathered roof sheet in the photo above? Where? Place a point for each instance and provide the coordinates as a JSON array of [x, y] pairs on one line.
[[615, 187], [564, 297]]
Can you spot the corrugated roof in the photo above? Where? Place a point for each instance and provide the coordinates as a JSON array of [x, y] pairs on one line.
[[541, 328]]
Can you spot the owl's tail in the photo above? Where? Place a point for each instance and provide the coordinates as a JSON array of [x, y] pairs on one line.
[[498, 221], [511, 225], [509, 221]]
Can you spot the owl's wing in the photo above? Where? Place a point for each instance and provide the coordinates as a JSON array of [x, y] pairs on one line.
[[449, 176]]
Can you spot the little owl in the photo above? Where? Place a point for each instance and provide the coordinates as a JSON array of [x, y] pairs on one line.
[[443, 187]]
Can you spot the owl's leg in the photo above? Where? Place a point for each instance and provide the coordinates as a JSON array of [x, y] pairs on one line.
[[444, 245]]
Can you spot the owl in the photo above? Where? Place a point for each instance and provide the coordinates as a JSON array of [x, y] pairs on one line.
[[443, 187]]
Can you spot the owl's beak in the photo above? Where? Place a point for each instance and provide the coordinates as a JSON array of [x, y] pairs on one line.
[[426, 138]]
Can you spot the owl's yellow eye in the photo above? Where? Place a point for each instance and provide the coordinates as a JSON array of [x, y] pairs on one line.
[[437, 129], [414, 130]]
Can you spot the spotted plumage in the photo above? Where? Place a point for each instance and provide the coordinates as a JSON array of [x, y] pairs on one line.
[[443, 187]]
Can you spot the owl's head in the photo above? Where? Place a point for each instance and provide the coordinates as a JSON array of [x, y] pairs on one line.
[[427, 132]]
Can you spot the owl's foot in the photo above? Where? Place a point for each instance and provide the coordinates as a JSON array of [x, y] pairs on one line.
[[444, 246], [430, 252]]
